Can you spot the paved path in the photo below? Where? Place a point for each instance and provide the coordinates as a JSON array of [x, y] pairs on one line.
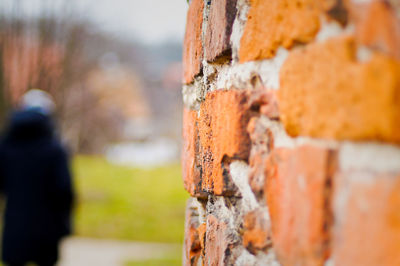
[[76, 251]]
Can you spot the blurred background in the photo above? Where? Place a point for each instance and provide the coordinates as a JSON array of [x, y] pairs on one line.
[[114, 70]]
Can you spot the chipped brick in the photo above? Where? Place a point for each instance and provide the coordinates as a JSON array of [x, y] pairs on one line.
[[222, 125], [219, 29], [191, 169], [192, 247], [192, 45]]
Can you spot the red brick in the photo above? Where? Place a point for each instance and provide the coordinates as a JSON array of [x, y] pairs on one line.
[[191, 168], [257, 231], [222, 127], [326, 93], [276, 23], [378, 27], [297, 193], [192, 247], [367, 219], [192, 45], [219, 29]]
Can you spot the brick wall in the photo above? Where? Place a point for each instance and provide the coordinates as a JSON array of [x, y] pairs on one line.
[[291, 132]]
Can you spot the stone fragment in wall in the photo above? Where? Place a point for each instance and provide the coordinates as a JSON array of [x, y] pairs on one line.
[[220, 243], [276, 23], [367, 218], [326, 93], [377, 26], [191, 245], [192, 45], [223, 137], [191, 169], [219, 28], [261, 145], [298, 193], [257, 231]]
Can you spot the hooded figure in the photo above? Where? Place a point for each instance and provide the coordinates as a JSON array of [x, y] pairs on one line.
[[36, 182]]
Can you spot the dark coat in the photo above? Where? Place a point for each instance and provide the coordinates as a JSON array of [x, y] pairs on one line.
[[36, 182]]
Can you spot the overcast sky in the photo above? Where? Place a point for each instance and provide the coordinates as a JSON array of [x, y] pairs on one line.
[[148, 20]]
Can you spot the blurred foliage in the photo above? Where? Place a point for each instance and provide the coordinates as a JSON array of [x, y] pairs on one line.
[[128, 203]]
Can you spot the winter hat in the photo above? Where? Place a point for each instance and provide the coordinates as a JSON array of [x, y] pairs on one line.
[[38, 100]]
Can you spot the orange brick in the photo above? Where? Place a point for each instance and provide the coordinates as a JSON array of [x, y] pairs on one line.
[[192, 246], [378, 27], [297, 193], [325, 92], [192, 45], [257, 231], [367, 227], [191, 168], [222, 127], [277, 23]]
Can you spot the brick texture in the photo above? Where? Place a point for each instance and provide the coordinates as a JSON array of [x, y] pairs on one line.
[[223, 120], [306, 174], [219, 29], [261, 145], [378, 27], [297, 193], [367, 231], [191, 169], [218, 243], [257, 231], [325, 92], [277, 23], [192, 45], [192, 248]]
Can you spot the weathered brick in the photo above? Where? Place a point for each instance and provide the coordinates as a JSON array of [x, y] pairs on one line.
[[202, 230], [367, 219], [277, 23], [192, 45], [263, 102], [192, 247], [378, 27], [325, 92], [219, 29], [219, 243], [297, 192], [191, 169], [222, 127], [261, 145], [257, 231]]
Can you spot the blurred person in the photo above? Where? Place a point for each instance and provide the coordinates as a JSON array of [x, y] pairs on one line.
[[36, 182]]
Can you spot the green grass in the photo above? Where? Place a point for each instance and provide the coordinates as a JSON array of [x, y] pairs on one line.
[[128, 203]]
